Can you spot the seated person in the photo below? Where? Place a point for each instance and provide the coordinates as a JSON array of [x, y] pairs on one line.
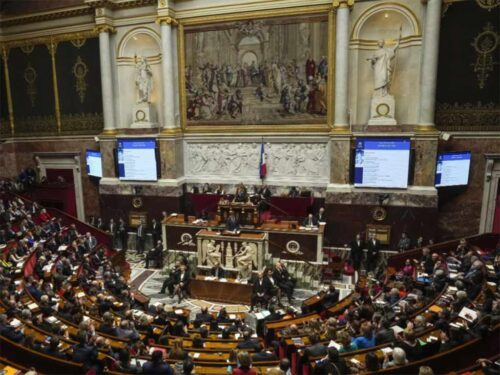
[[157, 365], [206, 188], [181, 288], [217, 271], [367, 338], [245, 365], [315, 348], [293, 192], [248, 342], [232, 223], [155, 255], [241, 195], [331, 297], [260, 292], [9, 332], [310, 221], [204, 316]]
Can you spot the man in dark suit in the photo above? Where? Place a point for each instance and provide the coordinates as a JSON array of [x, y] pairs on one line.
[[321, 217], [157, 365], [248, 342], [232, 223], [333, 364], [53, 348], [356, 255], [285, 282], [310, 221], [260, 292], [8, 331], [315, 348], [123, 234], [155, 230], [83, 352], [172, 280], [331, 297], [141, 237], [373, 247], [385, 333], [264, 355], [181, 288], [155, 255], [112, 228], [204, 316], [217, 271]]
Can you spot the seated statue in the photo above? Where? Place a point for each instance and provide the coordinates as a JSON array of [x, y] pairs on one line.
[[244, 260], [214, 254]]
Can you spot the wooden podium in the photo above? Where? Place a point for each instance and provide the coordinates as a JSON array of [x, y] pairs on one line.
[[229, 245], [246, 213]]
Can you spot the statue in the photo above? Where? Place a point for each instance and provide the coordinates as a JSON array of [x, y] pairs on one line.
[[143, 80], [214, 254], [244, 260], [381, 62]]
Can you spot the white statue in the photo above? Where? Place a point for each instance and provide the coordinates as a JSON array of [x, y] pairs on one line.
[[143, 80], [244, 260], [213, 253], [382, 64]]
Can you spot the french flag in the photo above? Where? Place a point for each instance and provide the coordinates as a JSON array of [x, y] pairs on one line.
[[262, 164]]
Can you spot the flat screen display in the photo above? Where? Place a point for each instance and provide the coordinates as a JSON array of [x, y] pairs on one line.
[[382, 162], [452, 168], [94, 163], [136, 159]]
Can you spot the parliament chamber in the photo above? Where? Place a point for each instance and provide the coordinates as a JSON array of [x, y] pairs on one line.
[[282, 187]]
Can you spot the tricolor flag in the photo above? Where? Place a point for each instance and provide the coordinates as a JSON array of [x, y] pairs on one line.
[[262, 164]]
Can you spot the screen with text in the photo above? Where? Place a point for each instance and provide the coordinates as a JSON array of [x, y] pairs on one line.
[[94, 163], [452, 168], [137, 159], [382, 163]]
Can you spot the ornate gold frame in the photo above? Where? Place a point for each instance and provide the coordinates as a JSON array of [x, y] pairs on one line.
[[327, 10]]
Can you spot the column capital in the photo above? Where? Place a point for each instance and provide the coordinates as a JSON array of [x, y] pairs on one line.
[[167, 20], [342, 3], [104, 28]]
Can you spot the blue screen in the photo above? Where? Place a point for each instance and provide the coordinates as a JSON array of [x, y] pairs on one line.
[[382, 162], [94, 163], [136, 159], [452, 168]]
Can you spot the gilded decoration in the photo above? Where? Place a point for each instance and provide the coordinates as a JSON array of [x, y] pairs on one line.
[[485, 44], [27, 48], [30, 79], [468, 116], [82, 123], [78, 43], [488, 4], [80, 71], [36, 126], [273, 73]]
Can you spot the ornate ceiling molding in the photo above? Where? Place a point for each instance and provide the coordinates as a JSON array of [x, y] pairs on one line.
[[45, 16]]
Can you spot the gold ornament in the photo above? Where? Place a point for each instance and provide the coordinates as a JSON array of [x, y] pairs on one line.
[[485, 43], [30, 78], [80, 71], [379, 214]]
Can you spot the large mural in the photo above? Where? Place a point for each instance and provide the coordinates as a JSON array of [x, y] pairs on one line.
[[257, 72]]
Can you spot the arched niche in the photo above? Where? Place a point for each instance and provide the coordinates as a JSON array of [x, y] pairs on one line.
[[139, 42], [383, 22]]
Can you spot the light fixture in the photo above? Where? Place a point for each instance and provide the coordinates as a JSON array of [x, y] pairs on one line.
[[386, 15]]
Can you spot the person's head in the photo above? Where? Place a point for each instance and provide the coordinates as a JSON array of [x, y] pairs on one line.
[[124, 356], [333, 354], [409, 335], [419, 321], [425, 370], [344, 338], [157, 356], [244, 360], [426, 251], [54, 343], [371, 362], [285, 364], [314, 338], [366, 329], [187, 366], [399, 356]]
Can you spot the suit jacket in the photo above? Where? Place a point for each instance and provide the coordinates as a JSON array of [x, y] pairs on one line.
[[217, 271], [316, 350], [141, 232], [249, 344], [383, 336], [357, 249], [373, 248], [264, 356], [161, 368], [310, 222], [11, 333], [261, 287], [184, 278], [232, 224], [331, 298], [85, 354]]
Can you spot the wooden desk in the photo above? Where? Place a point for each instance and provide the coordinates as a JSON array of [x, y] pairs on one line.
[[229, 245], [215, 290], [283, 237]]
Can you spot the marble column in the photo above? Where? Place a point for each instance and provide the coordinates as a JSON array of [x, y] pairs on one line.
[[428, 78], [341, 120], [168, 77], [177, 93], [106, 79]]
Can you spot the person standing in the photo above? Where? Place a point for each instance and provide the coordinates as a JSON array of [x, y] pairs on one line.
[[356, 255], [140, 237], [123, 233], [373, 247]]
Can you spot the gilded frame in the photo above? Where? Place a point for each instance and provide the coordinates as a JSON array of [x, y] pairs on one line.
[[327, 10]]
